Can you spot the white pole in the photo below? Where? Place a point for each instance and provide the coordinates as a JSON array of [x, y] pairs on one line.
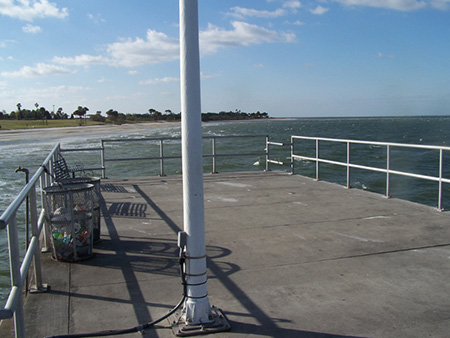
[[197, 309]]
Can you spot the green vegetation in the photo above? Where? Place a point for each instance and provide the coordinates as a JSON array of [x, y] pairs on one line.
[[29, 124], [42, 118]]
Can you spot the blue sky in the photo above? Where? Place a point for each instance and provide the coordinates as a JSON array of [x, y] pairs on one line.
[[284, 57]]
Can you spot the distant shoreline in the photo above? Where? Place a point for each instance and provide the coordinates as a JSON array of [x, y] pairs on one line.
[[104, 128], [80, 130]]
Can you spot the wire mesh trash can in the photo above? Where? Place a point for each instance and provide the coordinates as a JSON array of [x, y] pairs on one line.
[[95, 181], [69, 212]]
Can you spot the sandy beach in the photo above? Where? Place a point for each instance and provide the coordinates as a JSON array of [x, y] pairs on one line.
[[106, 129]]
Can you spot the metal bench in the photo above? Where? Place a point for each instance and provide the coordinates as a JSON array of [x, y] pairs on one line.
[[61, 171]]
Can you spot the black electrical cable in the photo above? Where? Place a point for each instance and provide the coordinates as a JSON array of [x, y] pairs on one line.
[[139, 328]]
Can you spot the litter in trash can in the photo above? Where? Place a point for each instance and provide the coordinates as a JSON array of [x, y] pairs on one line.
[[95, 181], [69, 211]]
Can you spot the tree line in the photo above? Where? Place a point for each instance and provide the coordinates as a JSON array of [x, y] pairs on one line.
[[113, 116], [41, 113]]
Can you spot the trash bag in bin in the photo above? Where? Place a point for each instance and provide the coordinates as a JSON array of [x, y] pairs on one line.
[[95, 181], [69, 211]]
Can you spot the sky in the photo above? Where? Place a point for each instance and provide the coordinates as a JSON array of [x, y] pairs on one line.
[[289, 58]]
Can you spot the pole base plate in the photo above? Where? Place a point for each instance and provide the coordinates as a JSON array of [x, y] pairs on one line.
[[219, 324]]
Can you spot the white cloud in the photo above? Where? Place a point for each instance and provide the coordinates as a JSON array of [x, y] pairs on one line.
[[401, 5], [97, 19], [240, 12], [296, 23], [159, 48], [157, 81], [440, 4], [292, 4], [31, 29], [58, 91], [382, 55], [82, 60], [242, 34], [319, 10], [52, 94], [156, 48], [5, 43], [133, 72], [29, 10], [41, 69]]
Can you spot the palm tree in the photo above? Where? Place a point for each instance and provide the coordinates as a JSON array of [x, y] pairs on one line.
[[81, 111]]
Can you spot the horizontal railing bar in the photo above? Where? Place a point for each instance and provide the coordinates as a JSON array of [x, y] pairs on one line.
[[174, 157], [68, 150], [275, 162], [425, 177], [276, 143], [303, 157], [392, 144], [114, 140], [365, 167], [382, 170], [235, 136], [233, 155], [177, 138], [140, 158]]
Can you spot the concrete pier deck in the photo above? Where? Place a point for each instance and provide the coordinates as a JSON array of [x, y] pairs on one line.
[[287, 257]]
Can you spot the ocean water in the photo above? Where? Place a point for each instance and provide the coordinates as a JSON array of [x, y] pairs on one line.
[[29, 152]]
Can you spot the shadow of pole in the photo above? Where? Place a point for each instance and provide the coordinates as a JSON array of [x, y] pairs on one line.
[[268, 325], [136, 297]]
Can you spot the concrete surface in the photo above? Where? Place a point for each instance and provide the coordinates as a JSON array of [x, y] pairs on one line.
[[287, 257]]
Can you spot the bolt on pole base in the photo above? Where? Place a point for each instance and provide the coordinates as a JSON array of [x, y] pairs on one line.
[[218, 324]]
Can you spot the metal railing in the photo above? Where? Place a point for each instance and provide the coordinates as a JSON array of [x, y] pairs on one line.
[[19, 271], [44, 178], [387, 169], [162, 157]]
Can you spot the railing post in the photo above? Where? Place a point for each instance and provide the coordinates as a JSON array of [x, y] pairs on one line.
[[50, 169], [267, 153], [441, 164], [161, 161], [348, 165], [43, 181], [102, 159], [388, 175], [213, 146], [14, 263], [35, 233], [317, 159], [292, 155]]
